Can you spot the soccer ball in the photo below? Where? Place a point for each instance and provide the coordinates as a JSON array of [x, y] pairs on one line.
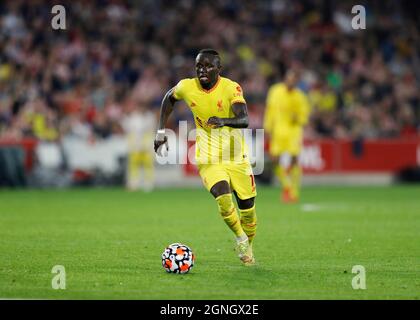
[[177, 258]]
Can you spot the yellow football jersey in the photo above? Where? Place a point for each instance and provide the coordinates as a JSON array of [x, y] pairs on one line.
[[214, 145], [287, 111]]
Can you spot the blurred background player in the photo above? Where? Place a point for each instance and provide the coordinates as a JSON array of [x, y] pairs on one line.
[[219, 110], [139, 125], [68, 86], [285, 116]]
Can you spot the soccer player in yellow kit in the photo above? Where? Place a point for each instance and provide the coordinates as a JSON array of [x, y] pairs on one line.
[[139, 125], [219, 110], [286, 114]]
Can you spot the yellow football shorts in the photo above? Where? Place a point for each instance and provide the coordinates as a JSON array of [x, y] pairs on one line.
[[139, 158], [290, 143], [238, 175]]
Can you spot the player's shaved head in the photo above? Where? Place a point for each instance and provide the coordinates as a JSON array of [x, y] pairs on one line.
[[209, 51], [213, 54]]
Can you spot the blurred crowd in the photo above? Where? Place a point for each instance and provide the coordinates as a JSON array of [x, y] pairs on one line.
[[117, 56]]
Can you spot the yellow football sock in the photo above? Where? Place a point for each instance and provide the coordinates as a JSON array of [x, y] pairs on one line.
[[228, 211], [149, 171], [249, 222], [283, 176], [133, 171], [295, 173]]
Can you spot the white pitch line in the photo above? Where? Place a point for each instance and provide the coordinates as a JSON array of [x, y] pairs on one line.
[[310, 207]]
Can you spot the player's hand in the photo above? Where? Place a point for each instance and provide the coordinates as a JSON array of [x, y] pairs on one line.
[[215, 122], [161, 143]]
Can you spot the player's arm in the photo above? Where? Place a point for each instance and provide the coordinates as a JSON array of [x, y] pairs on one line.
[[239, 109], [239, 120], [166, 108]]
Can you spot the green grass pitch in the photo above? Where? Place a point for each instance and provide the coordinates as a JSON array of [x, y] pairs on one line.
[[110, 242]]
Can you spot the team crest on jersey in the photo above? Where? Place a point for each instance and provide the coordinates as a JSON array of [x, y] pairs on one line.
[[238, 92], [193, 104], [220, 105]]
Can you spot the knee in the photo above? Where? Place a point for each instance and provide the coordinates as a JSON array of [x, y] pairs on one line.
[[246, 204], [220, 188]]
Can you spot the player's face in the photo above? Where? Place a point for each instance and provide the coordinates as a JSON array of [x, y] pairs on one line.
[[207, 69], [291, 79]]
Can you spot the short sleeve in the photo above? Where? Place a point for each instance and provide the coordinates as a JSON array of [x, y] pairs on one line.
[[179, 90], [236, 94]]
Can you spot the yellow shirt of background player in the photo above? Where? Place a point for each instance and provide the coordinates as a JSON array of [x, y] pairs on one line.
[[287, 111], [213, 145]]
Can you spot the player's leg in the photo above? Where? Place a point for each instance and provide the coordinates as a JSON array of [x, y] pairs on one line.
[[295, 169], [278, 147], [248, 216], [243, 183], [133, 171], [295, 174], [148, 171], [215, 180], [223, 195], [283, 173]]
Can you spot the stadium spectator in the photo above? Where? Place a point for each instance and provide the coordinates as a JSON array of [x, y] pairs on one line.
[[52, 82]]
